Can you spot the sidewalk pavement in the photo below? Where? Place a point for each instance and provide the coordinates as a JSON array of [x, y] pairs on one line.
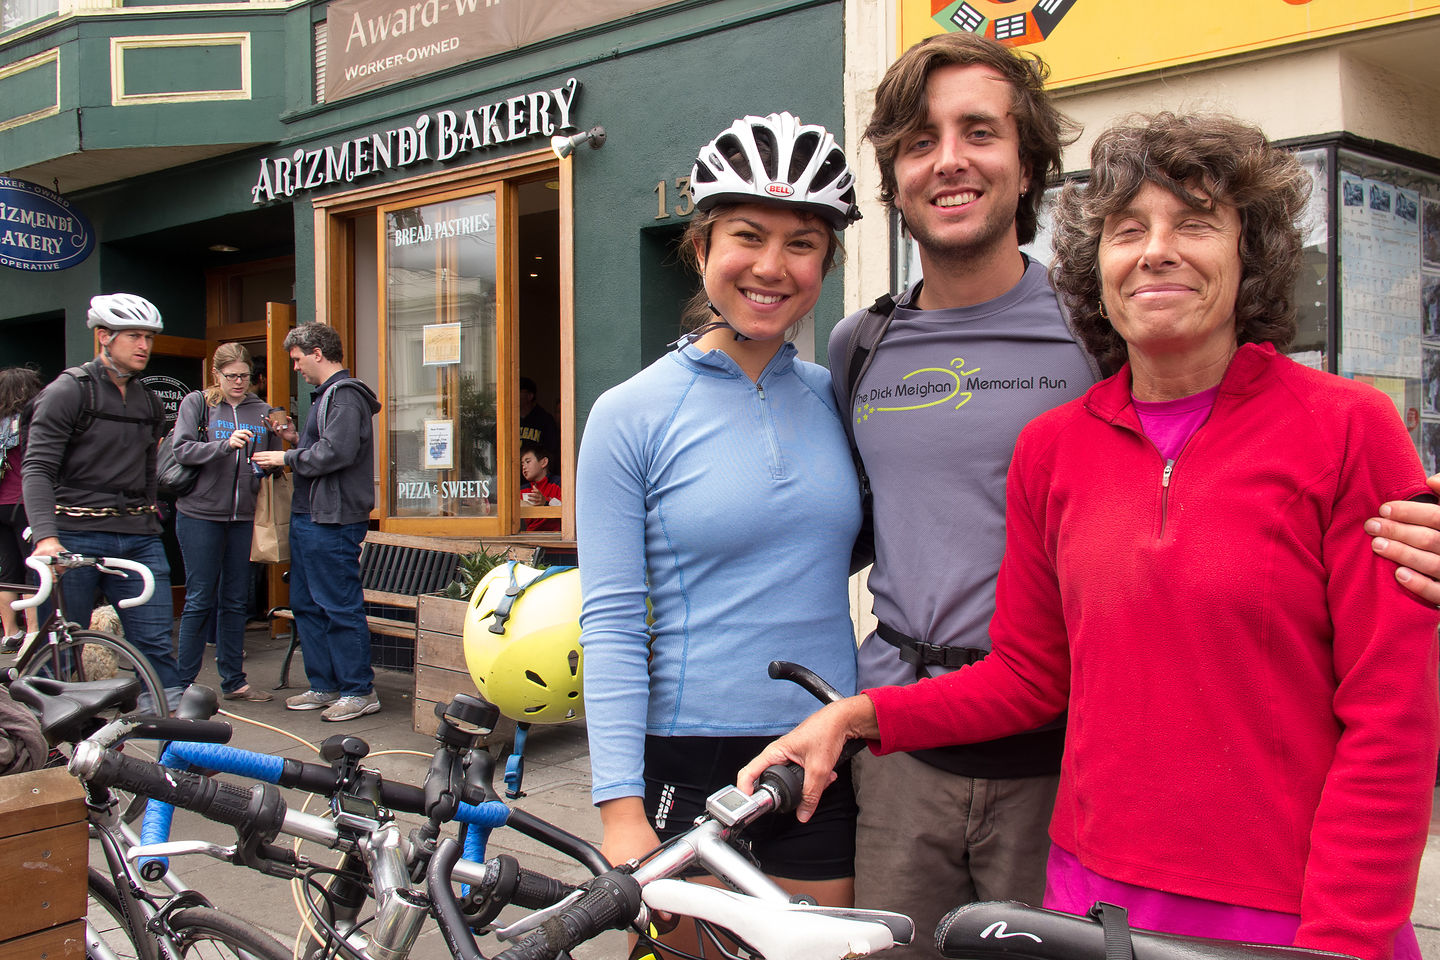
[[557, 787]]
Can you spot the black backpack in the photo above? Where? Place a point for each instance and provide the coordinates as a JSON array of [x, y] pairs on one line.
[[89, 411]]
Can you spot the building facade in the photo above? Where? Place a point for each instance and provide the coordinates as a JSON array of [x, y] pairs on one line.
[[390, 169]]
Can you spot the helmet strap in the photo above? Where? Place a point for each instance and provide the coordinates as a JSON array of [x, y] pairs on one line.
[[720, 323], [109, 362]]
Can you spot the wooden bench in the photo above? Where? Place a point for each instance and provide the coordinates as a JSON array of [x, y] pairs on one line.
[[395, 571]]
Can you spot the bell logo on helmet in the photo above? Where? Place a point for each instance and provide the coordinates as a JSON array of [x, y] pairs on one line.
[[778, 189]]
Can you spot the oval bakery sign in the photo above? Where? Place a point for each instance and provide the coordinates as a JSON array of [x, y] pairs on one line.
[[39, 230]]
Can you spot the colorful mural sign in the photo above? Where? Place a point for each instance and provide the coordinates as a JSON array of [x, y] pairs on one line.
[[1087, 40]]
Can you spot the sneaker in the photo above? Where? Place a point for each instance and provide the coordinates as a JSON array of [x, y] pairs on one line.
[[11, 644], [311, 700], [348, 708]]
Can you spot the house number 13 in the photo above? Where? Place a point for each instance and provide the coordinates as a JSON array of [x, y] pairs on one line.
[[684, 208]]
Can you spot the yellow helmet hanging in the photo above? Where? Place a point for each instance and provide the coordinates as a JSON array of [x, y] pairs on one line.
[[522, 642]]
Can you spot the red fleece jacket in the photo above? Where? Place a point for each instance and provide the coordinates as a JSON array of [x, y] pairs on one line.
[[1252, 696]]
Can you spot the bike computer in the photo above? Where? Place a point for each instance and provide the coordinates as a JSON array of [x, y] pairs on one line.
[[730, 806]]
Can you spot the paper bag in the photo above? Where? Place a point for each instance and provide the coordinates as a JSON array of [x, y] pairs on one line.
[[271, 540]]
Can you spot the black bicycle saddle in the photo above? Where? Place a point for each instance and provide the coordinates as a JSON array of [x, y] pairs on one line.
[[67, 711]]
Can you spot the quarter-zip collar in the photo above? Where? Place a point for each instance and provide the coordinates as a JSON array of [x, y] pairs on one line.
[[1110, 399], [718, 363]]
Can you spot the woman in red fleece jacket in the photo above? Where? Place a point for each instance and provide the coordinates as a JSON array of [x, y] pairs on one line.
[[1251, 694]]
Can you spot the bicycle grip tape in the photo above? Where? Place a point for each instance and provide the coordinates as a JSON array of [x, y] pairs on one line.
[[535, 890], [212, 799], [611, 902]]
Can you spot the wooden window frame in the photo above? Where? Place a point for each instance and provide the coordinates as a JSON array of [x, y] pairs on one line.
[[334, 218]]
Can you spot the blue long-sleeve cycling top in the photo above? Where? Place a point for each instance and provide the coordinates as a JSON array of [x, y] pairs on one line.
[[733, 506]]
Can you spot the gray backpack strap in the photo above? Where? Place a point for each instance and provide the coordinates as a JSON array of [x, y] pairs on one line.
[[858, 352], [323, 413]]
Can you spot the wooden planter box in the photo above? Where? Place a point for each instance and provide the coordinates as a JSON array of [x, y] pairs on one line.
[[44, 851], [440, 671]]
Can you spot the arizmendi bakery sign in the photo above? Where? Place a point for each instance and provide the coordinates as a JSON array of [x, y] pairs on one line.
[[439, 136]]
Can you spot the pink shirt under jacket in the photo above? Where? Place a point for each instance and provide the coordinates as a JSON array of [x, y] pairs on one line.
[[1252, 696]]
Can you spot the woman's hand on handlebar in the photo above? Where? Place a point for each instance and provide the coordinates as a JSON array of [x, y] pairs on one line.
[[628, 834], [816, 746]]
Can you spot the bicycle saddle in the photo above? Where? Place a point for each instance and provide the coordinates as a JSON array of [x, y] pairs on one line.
[[67, 710], [1014, 931]]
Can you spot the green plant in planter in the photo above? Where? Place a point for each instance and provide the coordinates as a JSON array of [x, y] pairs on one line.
[[470, 569]]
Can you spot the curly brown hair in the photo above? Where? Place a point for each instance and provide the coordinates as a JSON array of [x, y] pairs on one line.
[[17, 386], [1202, 159], [900, 110]]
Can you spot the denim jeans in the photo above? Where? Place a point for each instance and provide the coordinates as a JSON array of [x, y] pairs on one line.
[[217, 585], [149, 626], [329, 605]]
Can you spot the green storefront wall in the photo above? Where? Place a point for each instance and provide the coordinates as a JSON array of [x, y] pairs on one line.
[[661, 84]]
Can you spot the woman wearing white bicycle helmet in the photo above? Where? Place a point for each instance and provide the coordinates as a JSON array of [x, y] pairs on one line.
[[718, 505]]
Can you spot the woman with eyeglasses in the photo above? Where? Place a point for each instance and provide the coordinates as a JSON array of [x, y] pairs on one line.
[[217, 430]]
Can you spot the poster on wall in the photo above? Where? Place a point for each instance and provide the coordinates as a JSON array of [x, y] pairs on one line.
[[1430, 445], [439, 444], [1430, 233], [1380, 281], [441, 344], [1430, 305]]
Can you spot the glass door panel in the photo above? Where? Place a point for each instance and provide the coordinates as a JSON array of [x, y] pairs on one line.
[[441, 357]]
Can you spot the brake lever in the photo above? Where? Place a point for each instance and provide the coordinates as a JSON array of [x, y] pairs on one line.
[[537, 919], [177, 848]]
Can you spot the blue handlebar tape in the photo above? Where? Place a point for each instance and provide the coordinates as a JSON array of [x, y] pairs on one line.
[[478, 822], [181, 755], [266, 767]]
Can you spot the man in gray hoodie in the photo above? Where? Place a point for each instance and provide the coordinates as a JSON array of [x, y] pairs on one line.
[[334, 465]]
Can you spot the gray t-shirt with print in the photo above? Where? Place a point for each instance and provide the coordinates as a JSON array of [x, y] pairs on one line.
[[939, 409]]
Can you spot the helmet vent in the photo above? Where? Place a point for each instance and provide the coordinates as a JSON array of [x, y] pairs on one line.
[[769, 151], [805, 146], [534, 678], [734, 154], [574, 658], [833, 167]]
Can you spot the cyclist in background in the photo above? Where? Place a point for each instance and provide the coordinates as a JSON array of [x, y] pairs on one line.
[[89, 476], [690, 474]]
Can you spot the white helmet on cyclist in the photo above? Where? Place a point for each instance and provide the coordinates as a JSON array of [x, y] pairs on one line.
[[776, 159], [124, 311]]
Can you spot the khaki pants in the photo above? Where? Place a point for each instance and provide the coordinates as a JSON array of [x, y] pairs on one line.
[[928, 841]]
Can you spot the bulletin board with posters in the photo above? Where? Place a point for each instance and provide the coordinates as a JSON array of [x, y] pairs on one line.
[[1389, 216]]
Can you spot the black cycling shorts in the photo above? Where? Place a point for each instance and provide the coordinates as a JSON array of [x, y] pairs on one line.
[[680, 772]]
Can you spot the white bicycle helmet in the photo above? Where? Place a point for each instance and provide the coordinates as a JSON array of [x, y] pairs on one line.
[[776, 159], [124, 311]]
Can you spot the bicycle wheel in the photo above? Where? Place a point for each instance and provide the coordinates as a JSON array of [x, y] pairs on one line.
[[92, 655], [201, 933]]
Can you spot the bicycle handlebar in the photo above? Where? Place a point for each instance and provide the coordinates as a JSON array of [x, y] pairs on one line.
[[114, 565], [258, 809]]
